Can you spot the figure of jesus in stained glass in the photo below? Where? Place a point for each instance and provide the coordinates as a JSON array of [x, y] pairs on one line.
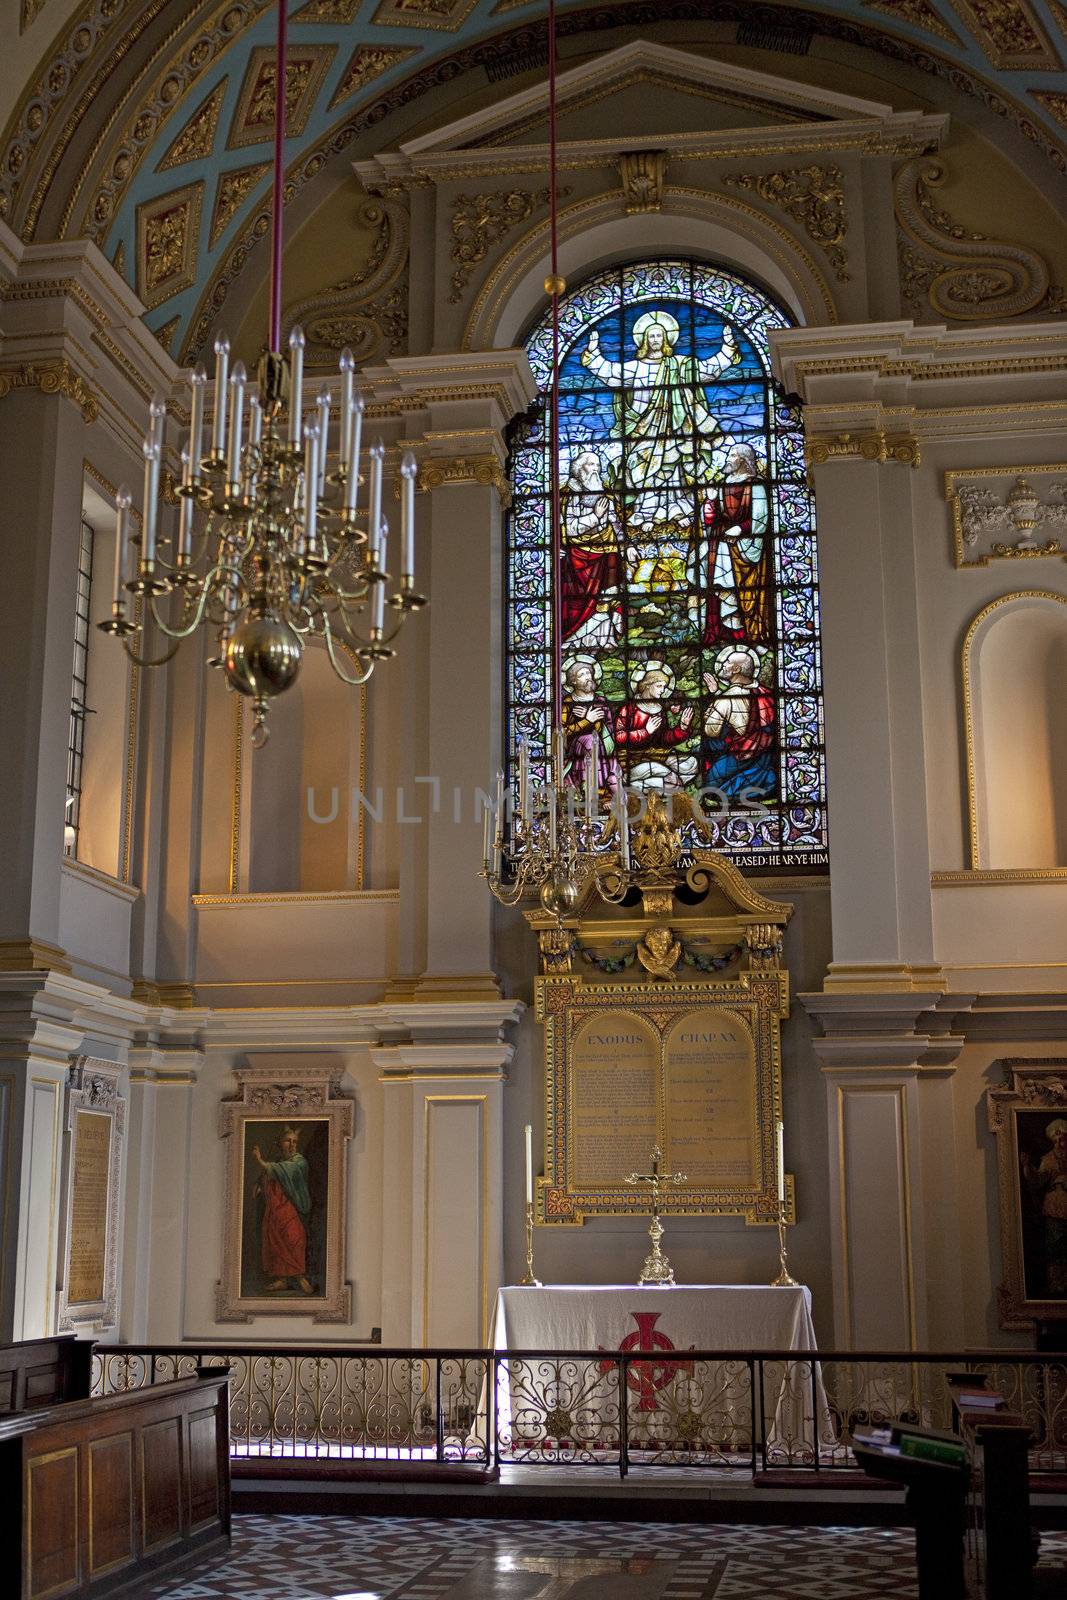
[[688, 587]]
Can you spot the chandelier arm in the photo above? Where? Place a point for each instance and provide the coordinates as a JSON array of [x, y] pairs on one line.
[[346, 677], [208, 589], [152, 661]]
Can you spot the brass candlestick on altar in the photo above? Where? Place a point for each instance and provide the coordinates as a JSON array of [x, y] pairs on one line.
[[657, 1269], [528, 1281], [783, 1280]]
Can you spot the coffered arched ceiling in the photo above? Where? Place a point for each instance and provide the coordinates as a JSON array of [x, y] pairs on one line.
[[147, 124]]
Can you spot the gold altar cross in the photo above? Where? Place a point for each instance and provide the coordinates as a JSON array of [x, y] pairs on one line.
[[657, 1269]]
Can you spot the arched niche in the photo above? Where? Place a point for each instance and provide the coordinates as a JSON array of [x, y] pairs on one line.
[[715, 228], [305, 833], [1015, 727]]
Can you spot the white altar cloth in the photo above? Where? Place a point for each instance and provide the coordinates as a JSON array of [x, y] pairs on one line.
[[672, 1401]]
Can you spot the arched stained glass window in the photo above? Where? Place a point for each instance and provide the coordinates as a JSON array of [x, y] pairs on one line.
[[689, 598]]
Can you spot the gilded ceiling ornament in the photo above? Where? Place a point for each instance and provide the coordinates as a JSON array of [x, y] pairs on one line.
[[118, 260], [480, 220], [1009, 33], [368, 62], [253, 120], [486, 470], [814, 197], [342, 11], [1055, 104], [963, 274], [152, 108], [232, 192], [166, 333], [168, 230], [643, 174], [197, 139], [920, 13], [368, 310], [29, 12], [447, 15], [51, 377]]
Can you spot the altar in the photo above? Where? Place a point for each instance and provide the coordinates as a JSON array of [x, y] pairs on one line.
[[676, 1404]]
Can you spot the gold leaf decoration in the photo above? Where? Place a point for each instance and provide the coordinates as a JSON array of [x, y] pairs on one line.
[[920, 13], [168, 230], [1009, 33], [253, 121], [445, 14], [166, 333], [1055, 104], [341, 11], [197, 139], [479, 220], [231, 194], [118, 260], [813, 196], [368, 62]]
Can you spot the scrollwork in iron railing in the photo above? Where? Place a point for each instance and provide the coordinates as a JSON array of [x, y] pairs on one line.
[[558, 1408], [696, 1413]]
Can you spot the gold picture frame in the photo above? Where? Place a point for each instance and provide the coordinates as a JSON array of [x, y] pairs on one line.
[[1028, 1118], [284, 1237]]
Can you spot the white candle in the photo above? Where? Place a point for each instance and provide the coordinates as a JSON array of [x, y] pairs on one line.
[[374, 527], [499, 808], [551, 796], [122, 538], [238, 380], [296, 385], [198, 387], [185, 517], [623, 815], [408, 469], [355, 426], [529, 1164], [255, 439], [311, 499], [151, 499], [558, 758], [590, 785], [486, 838], [157, 411], [780, 1163], [322, 406], [378, 597], [524, 780], [347, 364], [222, 373]]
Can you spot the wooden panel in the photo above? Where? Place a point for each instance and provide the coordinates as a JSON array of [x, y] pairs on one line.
[[202, 1467], [52, 1554], [161, 1473], [43, 1384], [110, 1502], [7, 1391]]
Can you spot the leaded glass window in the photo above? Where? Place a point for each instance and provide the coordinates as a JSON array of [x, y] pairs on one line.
[[689, 599]]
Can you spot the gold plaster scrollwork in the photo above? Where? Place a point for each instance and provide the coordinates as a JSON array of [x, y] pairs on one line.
[[51, 377], [479, 220], [872, 446], [961, 274], [643, 174], [813, 196], [367, 311], [439, 472]]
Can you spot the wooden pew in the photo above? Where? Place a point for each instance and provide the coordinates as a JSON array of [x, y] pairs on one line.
[[96, 1492], [40, 1372]]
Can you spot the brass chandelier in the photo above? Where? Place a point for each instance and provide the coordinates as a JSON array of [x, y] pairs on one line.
[[272, 546]]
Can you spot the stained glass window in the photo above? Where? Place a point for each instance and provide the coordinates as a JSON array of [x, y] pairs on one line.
[[689, 599]]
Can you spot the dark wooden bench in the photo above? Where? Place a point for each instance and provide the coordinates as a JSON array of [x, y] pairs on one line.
[[41, 1372], [97, 1493]]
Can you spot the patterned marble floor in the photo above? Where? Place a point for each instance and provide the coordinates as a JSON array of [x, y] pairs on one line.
[[394, 1558], [381, 1558]]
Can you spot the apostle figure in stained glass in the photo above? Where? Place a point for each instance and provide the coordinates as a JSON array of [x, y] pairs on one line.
[[652, 726], [734, 555], [592, 568], [587, 725], [739, 727]]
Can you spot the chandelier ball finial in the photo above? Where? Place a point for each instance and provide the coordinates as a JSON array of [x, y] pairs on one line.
[[559, 895], [262, 655]]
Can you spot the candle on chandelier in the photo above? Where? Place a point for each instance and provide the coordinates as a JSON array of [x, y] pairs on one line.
[[408, 470], [185, 518], [255, 440], [222, 373], [499, 808], [558, 758], [157, 412], [550, 796], [529, 1163], [198, 386], [347, 364], [355, 429], [590, 785], [311, 499], [296, 385], [524, 780], [780, 1162], [486, 837], [123, 501], [623, 818], [151, 499], [238, 380], [322, 406], [374, 524], [378, 597]]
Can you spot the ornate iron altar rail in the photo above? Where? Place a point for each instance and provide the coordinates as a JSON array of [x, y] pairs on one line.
[[727, 1410]]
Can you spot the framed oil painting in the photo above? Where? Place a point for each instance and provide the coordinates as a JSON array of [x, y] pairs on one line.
[[284, 1240], [1028, 1116]]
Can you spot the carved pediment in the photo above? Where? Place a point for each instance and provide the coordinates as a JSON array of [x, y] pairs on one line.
[[643, 89]]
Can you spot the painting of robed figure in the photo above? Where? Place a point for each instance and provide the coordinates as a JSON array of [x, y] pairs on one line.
[[286, 1182]]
